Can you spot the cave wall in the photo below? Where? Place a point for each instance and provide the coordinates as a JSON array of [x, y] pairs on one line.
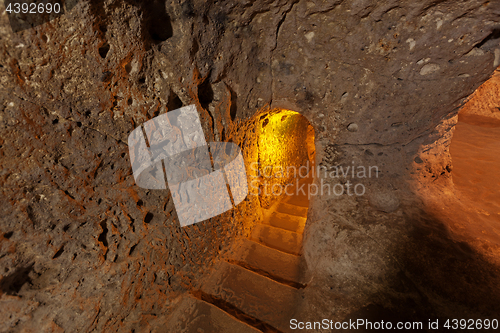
[[485, 100], [83, 248], [388, 82]]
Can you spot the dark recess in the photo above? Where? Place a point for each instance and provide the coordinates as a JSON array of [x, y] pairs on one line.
[[157, 21], [31, 216], [205, 94], [12, 284], [106, 76], [132, 249], [58, 253], [128, 68], [148, 218], [102, 237], [103, 50], [174, 102], [187, 8], [234, 103], [490, 39]]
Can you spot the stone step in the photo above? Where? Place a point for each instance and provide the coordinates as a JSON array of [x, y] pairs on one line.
[[277, 265], [300, 192], [290, 209], [192, 315], [297, 200], [257, 296], [284, 221], [276, 238]]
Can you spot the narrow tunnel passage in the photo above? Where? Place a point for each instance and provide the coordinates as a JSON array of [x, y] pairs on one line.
[[285, 160], [257, 286]]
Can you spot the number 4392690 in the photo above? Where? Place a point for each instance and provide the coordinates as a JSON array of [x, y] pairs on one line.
[[471, 324], [33, 8]]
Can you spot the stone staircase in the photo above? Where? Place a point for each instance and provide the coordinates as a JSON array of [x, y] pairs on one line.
[[257, 288]]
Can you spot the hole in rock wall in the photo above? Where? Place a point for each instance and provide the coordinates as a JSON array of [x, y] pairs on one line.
[[205, 94], [174, 102], [158, 23], [103, 50]]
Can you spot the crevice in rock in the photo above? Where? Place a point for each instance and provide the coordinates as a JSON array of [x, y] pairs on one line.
[[187, 8], [280, 23], [492, 37], [59, 252], [234, 104], [103, 236], [12, 284], [132, 249], [128, 68], [194, 49], [205, 94]]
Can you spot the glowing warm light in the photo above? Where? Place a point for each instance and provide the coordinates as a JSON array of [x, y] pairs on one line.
[[274, 135], [285, 142]]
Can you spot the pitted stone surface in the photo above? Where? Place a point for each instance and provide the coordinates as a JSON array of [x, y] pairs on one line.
[[84, 249]]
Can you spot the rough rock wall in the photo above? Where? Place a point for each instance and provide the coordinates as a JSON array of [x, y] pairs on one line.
[[84, 248], [383, 84]]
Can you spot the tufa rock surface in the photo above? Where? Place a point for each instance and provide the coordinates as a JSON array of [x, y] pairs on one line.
[[82, 248]]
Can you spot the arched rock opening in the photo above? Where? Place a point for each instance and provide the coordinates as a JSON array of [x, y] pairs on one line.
[[285, 154]]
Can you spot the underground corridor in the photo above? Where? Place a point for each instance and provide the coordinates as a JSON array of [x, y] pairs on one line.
[[258, 285], [259, 280], [369, 133]]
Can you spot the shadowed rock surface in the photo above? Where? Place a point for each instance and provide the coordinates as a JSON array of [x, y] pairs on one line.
[[82, 248]]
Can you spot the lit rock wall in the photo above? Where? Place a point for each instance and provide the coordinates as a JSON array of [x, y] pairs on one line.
[[84, 249], [485, 100], [283, 159]]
